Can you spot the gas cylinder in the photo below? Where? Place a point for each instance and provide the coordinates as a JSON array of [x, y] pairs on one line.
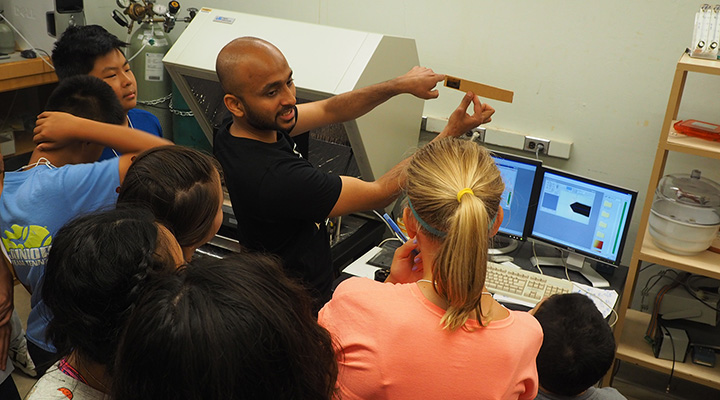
[[7, 38], [148, 45]]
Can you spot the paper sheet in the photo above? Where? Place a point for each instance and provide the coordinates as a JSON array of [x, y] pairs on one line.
[[608, 296]]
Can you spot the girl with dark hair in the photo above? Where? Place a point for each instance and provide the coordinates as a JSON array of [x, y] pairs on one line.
[[182, 187], [95, 269], [433, 330], [227, 329]]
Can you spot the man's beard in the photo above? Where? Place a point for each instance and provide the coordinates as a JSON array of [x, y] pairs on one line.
[[265, 124]]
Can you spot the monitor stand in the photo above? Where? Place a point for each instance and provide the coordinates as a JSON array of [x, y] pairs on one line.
[[502, 245], [574, 262]]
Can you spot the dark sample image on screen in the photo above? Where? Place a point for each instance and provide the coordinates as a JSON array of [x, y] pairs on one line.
[[580, 208], [583, 215]]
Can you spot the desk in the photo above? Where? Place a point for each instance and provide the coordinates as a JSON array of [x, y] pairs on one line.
[[521, 258], [614, 275], [19, 73]]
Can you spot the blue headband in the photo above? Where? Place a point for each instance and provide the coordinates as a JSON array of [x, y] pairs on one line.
[[434, 231], [425, 224]]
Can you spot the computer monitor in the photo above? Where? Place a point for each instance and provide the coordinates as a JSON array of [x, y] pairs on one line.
[[584, 218], [521, 177]]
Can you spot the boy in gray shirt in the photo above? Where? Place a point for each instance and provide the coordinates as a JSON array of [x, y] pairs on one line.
[[578, 349]]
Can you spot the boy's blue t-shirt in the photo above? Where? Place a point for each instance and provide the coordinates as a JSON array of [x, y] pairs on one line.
[[141, 120], [34, 205]]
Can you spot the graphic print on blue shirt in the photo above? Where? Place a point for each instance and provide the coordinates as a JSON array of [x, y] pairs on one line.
[[27, 245]]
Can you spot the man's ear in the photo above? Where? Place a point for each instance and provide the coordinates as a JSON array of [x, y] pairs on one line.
[[234, 105]]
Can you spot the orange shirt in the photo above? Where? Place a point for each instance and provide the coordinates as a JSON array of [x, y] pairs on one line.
[[393, 347]]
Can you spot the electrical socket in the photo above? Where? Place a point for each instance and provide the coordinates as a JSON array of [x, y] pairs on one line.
[[531, 144], [478, 133]]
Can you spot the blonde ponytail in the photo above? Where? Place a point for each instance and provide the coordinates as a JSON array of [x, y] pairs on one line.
[[455, 188]]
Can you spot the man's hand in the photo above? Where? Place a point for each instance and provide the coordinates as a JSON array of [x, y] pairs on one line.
[[54, 130], [420, 82], [460, 121]]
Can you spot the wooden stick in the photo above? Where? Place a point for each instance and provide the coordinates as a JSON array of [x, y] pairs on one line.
[[479, 89]]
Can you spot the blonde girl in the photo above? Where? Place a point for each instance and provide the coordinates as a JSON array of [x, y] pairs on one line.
[[432, 330]]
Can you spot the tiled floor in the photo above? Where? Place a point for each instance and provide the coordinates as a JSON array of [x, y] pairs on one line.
[[634, 382]]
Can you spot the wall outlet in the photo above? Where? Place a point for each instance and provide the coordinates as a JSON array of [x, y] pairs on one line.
[[476, 134], [491, 135], [533, 143]]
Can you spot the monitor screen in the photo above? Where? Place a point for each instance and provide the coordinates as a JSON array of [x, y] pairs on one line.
[[583, 215], [519, 199]]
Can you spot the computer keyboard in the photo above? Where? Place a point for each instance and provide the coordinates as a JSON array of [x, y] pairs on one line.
[[523, 285]]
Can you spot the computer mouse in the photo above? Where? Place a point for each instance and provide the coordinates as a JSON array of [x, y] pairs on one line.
[[28, 54], [381, 274], [500, 259]]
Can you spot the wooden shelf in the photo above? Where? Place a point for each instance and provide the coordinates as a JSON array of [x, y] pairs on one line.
[[706, 263], [688, 63], [692, 145], [634, 349]]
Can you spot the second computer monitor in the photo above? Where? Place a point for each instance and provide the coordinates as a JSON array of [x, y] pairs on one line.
[[519, 199], [583, 215]]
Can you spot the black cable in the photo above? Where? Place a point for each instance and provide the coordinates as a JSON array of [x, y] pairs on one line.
[[646, 267], [672, 369], [646, 289], [659, 276], [347, 165]]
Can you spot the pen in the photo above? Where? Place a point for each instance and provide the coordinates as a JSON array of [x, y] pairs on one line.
[[395, 228]]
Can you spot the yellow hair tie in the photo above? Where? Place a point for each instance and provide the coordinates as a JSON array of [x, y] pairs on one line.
[[463, 192]]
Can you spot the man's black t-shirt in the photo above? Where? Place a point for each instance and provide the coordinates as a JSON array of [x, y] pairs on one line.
[[281, 202]]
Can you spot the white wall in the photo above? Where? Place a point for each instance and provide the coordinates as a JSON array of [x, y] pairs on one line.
[[596, 73]]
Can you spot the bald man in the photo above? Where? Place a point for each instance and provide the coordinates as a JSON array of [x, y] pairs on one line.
[[280, 200]]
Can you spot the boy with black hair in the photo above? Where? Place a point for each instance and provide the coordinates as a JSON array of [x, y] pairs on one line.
[[578, 349], [92, 50], [62, 181]]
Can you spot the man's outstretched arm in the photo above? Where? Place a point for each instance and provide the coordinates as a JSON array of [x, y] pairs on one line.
[[419, 82], [359, 195]]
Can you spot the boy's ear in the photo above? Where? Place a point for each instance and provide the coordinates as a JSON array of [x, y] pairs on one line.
[[234, 105]]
